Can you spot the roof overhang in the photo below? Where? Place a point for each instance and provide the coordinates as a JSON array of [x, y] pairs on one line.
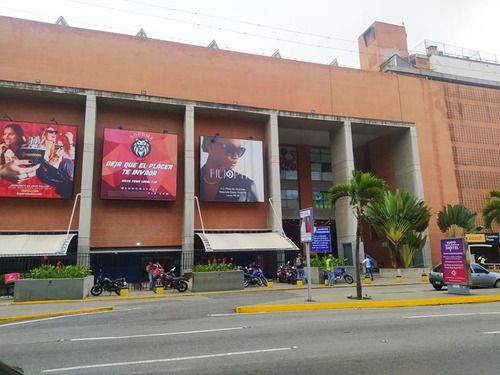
[[238, 241], [16, 245]]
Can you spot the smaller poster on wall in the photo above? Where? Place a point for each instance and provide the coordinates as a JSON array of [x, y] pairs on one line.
[[231, 170], [37, 160], [139, 165]]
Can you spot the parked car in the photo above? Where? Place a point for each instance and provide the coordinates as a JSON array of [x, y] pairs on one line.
[[480, 277]]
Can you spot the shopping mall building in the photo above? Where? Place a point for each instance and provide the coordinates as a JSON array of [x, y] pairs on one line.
[[134, 112]]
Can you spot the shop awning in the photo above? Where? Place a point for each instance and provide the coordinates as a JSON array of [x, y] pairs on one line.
[[16, 245], [246, 241]]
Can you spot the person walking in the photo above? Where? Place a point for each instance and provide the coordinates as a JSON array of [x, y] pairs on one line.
[[368, 264], [330, 271]]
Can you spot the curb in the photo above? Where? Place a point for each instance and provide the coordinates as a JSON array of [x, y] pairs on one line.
[[49, 315], [366, 304], [194, 294]]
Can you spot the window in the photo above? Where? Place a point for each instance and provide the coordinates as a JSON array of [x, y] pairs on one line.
[[321, 200], [321, 164], [288, 162], [290, 199]]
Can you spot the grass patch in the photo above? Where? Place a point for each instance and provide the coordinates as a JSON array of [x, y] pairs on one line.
[[366, 296]]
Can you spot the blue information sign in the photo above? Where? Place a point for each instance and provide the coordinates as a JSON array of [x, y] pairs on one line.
[[321, 242]]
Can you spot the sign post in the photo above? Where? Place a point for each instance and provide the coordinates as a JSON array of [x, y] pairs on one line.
[[306, 236], [456, 269]]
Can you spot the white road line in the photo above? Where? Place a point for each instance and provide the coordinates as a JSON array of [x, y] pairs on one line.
[[155, 334], [447, 315], [491, 333], [50, 318], [115, 364]]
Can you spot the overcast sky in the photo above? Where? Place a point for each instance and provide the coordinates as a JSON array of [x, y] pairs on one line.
[[315, 30]]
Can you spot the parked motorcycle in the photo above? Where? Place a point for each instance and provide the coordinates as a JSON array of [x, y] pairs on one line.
[[341, 273], [107, 285], [169, 280], [286, 274], [254, 276]]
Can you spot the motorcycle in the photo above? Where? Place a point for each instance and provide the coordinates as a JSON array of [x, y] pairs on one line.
[[341, 273], [286, 273], [169, 280], [254, 277], [107, 285]]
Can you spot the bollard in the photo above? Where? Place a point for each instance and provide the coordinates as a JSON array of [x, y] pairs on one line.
[[399, 279], [124, 292], [299, 282], [425, 278], [270, 283], [368, 280], [159, 290], [326, 282]]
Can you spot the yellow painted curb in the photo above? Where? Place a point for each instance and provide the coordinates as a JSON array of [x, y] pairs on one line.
[[48, 315], [367, 304]]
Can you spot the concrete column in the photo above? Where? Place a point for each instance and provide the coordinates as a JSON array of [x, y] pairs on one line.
[[408, 173], [189, 204], [342, 166], [274, 217], [85, 219]]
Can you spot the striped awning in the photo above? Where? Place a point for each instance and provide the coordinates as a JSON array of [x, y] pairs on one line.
[[246, 241], [15, 245]]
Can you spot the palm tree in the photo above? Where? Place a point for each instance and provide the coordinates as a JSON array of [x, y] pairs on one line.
[[454, 217], [394, 217], [491, 212], [362, 188]]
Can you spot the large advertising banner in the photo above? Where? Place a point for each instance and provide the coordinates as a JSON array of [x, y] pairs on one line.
[[37, 160], [138, 165], [231, 170], [454, 261]]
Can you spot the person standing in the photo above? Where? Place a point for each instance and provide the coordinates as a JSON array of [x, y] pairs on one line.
[[368, 264], [149, 269], [330, 270], [299, 266]]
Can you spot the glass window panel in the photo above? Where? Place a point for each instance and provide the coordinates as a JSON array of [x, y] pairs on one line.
[[290, 175], [326, 167], [316, 167], [316, 176], [327, 176], [294, 204], [283, 194], [325, 157], [315, 157]]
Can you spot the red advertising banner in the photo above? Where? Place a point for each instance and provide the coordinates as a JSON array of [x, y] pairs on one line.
[[11, 277], [37, 160], [138, 165]]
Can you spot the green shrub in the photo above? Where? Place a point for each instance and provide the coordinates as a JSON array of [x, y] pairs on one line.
[[215, 265], [321, 262], [58, 272]]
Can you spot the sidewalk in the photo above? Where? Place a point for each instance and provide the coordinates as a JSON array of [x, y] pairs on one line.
[[381, 293]]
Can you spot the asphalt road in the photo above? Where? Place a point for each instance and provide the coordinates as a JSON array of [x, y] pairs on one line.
[[203, 335]]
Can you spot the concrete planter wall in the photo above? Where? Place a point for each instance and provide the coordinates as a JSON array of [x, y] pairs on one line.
[[217, 281], [411, 273], [316, 274], [52, 289]]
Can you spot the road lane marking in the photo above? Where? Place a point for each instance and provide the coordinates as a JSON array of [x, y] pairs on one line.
[[491, 333], [447, 315], [132, 363], [156, 334], [49, 318]]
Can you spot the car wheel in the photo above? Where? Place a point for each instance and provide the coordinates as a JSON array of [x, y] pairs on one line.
[[496, 284], [437, 287]]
